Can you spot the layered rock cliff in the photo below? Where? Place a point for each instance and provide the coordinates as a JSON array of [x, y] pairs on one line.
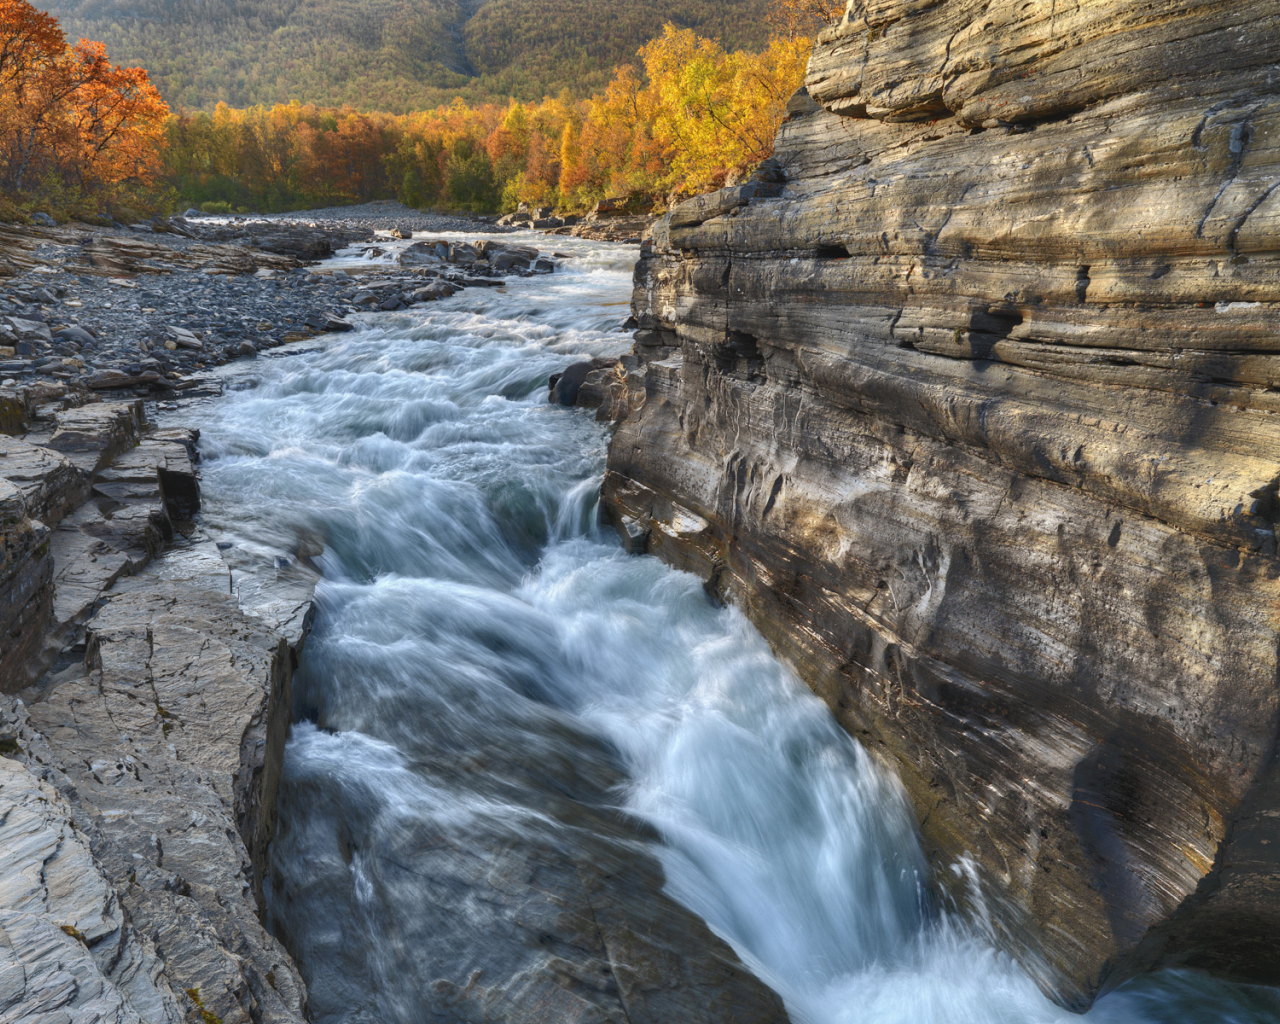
[[970, 400]]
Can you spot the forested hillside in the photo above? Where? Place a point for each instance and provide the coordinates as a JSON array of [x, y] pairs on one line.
[[390, 55], [683, 121]]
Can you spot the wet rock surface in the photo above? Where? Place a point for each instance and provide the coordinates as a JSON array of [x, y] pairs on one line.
[[545, 905], [970, 405]]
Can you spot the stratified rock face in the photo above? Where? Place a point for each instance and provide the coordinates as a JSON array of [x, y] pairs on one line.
[[26, 582], [974, 411], [66, 950], [163, 748]]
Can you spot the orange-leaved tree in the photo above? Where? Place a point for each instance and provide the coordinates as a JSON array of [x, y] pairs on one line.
[[67, 113]]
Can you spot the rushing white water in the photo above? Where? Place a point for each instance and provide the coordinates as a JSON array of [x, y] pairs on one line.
[[472, 618]]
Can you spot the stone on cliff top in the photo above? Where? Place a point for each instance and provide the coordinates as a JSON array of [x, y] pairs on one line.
[[184, 338], [92, 435], [51, 484], [107, 380], [29, 330]]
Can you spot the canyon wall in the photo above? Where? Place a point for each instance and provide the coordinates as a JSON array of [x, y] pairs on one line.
[[969, 399]]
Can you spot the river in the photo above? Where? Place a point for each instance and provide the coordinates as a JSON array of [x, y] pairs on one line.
[[483, 653]]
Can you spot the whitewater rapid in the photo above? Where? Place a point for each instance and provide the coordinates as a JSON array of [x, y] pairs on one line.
[[473, 621]]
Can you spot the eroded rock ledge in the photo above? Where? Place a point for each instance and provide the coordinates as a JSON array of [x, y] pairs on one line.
[[143, 750], [970, 400]]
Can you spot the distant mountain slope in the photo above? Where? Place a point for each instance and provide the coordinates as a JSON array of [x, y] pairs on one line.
[[536, 47], [393, 55]]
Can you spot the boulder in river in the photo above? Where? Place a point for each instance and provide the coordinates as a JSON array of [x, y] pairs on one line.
[[431, 292], [512, 258], [566, 385], [462, 252], [420, 253]]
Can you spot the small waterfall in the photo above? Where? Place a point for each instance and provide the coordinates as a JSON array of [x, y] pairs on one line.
[[491, 683]]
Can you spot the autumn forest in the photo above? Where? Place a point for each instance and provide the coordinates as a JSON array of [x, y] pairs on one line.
[[682, 113]]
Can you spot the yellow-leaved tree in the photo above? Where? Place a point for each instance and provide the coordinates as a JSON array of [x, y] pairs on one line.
[[718, 112]]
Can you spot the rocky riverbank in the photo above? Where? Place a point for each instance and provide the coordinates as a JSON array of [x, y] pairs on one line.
[[968, 399], [143, 744], [147, 671], [152, 309], [383, 215]]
